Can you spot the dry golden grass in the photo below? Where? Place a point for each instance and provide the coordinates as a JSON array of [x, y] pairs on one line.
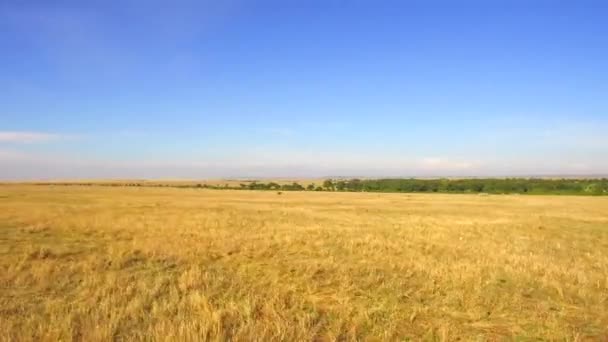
[[96, 263]]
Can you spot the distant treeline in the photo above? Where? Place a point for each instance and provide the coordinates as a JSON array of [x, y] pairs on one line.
[[473, 185], [487, 185]]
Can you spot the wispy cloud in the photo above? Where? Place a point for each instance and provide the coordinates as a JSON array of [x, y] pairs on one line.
[[10, 155], [446, 164], [28, 137]]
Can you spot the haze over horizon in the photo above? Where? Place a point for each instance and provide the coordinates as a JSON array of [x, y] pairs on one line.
[[188, 89]]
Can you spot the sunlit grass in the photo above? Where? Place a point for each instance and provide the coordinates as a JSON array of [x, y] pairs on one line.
[[90, 263]]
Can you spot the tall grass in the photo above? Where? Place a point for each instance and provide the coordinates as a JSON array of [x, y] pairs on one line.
[[88, 264]]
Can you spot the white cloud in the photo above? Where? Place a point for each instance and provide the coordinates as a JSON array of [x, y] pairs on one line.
[[445, 164], [27, 137], [30, 163], [11, 155], [575, 134]]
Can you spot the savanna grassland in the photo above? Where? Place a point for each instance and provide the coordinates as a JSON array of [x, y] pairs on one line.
[[102, 263]]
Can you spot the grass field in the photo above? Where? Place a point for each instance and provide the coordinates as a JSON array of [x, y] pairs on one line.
[[100, 263]]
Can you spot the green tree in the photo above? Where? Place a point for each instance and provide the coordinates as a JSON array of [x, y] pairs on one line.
[[340, 185], [273, 186]]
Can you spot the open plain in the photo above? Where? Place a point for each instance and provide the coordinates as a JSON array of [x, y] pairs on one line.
[[102, 263]]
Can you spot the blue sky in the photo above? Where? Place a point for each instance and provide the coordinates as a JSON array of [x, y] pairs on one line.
[[197, 89]]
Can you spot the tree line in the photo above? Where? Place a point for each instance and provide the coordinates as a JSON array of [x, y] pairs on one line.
[[410, 185], [472, 185]]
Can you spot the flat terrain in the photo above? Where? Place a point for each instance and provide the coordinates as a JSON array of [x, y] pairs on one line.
[[231, 182], [101, 263]]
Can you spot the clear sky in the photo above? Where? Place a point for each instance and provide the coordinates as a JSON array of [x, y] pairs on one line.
[[198, 89]]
